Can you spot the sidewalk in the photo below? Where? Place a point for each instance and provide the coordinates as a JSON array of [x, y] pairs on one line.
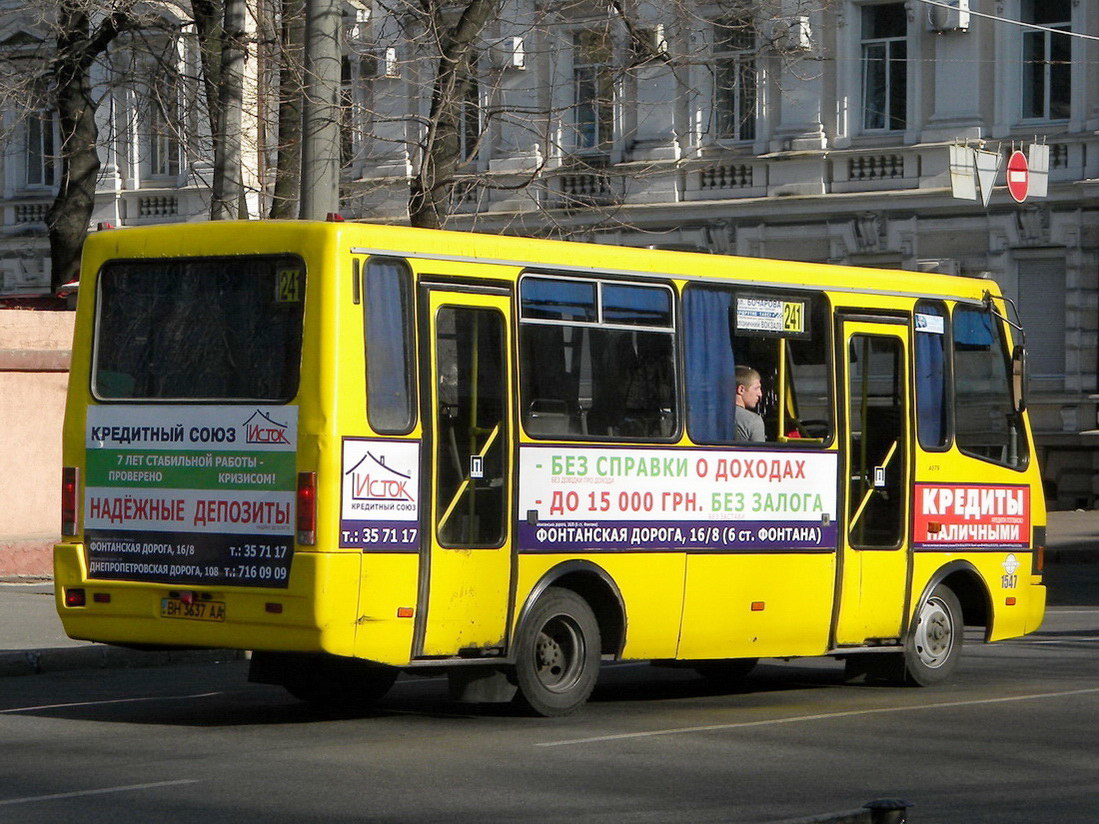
[[32, 640]]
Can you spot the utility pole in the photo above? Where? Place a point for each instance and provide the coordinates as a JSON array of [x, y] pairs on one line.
[[320, 167]]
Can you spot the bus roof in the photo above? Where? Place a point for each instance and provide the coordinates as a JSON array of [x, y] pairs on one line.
[[566, 257]]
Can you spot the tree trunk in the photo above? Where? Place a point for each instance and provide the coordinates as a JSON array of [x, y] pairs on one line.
[[287, 191], [78, 47], [430, 190], [220, 26], [228, 189]]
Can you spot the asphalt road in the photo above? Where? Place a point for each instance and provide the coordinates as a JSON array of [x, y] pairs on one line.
[[1012, 738]]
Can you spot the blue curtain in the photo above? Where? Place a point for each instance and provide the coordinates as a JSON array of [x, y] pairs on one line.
[[710, 375], [973, 328], [388, 325], [930, 389]]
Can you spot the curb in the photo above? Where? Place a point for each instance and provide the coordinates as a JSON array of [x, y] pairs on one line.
[[101, 656]]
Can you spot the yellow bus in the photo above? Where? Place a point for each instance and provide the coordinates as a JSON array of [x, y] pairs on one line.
[[358, 450]]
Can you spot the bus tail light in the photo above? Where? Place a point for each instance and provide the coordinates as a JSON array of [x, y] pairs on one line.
[[307, 508], [1038, 550], [70, 483], [75, 598]]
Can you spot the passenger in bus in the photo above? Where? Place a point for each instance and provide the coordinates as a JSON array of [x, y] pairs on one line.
[[749, 389]]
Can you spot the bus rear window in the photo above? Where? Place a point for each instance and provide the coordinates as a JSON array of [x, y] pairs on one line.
[[205, 329]]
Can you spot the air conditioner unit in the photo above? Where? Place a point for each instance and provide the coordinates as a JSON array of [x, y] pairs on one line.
[[380, 62], [791, 33], [508, 53], [955, 18]]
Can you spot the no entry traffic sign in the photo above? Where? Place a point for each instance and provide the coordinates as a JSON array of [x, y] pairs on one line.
[[1018, 176]]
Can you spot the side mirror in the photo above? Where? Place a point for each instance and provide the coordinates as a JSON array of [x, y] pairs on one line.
[[1018, 377]]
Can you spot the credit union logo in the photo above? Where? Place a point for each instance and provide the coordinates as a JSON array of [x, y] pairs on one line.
[[262, 428], [372, 480]]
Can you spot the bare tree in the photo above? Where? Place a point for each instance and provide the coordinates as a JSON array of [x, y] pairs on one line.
[[81, 41], [581, 136]]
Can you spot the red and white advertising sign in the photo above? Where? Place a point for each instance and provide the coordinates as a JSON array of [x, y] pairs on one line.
[[1018, 176], [973, 515]]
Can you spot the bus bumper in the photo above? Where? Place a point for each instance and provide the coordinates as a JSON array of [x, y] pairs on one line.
[[291, 619]]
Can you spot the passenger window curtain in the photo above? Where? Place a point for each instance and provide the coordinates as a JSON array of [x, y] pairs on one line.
[[710, 365], [931, 386]]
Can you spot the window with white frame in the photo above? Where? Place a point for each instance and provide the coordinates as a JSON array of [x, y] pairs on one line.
[[165, 147], [347, 112], [1047, 59], [470, 119], [734, 79], [884, 67], [593, 88], [40, 149]]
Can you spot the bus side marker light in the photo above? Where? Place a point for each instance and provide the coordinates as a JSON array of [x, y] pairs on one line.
[[934, 527], [70, 482], [274, 607], [101, 597], [307, 508], [758, 606], [75, 598], [404, 612], [1011, 601]]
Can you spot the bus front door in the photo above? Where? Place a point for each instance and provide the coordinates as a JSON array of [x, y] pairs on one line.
[[874, 564], [465, 570]]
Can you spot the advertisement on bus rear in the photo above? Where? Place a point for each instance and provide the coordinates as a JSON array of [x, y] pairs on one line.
[[579, 498], [191, 494]]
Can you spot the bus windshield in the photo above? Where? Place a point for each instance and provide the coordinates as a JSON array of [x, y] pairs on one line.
[[225, 328]]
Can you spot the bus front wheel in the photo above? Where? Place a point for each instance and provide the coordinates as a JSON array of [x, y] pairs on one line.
[[558, 652], [934, 641]]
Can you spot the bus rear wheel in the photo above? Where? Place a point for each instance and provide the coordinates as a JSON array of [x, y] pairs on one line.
[[934, 641], [558, 653]]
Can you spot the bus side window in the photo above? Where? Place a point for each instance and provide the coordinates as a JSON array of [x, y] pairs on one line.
[[932, 420], [388, 327], [597, 359], [985, 421], [794, 368]]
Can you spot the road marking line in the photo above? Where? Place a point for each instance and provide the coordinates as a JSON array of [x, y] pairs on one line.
[[79, 793], [113, 701], [821, 717], [1070, 640]]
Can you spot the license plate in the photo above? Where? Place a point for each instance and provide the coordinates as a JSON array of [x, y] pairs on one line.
[[195, 611]]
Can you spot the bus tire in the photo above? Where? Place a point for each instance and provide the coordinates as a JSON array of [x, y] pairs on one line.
[[725, 671], [340, 684], [557, 655], [934, 641]]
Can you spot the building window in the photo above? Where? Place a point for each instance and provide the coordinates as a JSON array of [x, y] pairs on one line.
[[470, 119], [1047, 56], [40, 149], [347, 113], [165, 149], [884, 67], [734, 79], [593, 88]]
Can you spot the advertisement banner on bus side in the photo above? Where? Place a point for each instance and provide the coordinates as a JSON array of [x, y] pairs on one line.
[[971, 515], [380, 490], [576, 498], [191, 494]]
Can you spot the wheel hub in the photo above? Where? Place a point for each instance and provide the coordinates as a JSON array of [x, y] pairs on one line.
[[559, 654], [934, 634]]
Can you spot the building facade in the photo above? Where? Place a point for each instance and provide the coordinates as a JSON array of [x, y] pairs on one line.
[[814, 131]]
